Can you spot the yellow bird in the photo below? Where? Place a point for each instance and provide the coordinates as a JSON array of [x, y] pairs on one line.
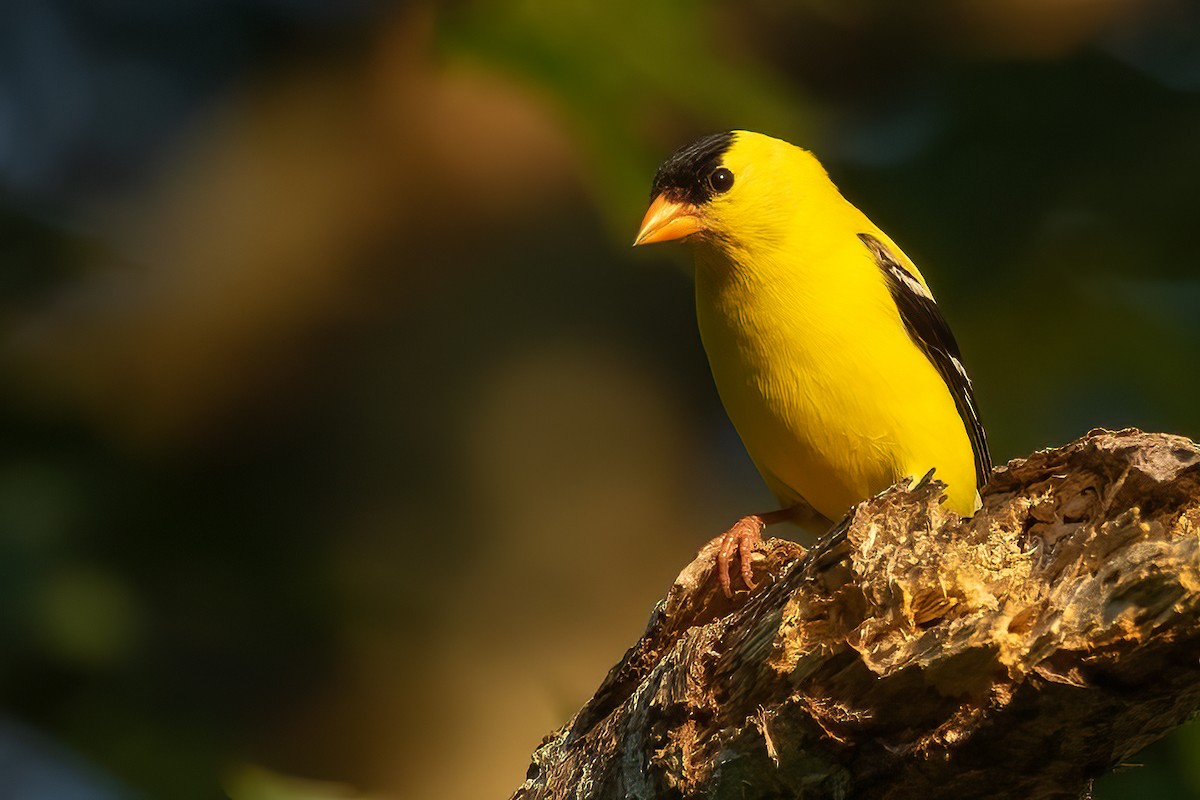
[[827, 348]]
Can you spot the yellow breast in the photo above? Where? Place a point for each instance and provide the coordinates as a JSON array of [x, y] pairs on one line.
[[830, 396]]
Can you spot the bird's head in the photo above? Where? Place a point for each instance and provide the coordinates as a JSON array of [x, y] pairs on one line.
[[732, 190]]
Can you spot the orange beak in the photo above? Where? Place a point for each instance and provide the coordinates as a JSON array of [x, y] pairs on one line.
[[666, 220]]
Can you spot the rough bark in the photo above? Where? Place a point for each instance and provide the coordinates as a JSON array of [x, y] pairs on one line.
[[912, 654]]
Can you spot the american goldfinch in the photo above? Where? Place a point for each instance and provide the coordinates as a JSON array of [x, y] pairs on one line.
[[827, 348]]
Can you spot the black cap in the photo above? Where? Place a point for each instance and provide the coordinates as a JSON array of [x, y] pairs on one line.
[[684, 176]]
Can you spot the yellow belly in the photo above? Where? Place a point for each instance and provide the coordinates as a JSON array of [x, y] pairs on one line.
[[832, 400]]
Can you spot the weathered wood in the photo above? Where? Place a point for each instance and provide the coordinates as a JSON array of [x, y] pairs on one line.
[[912, 654]]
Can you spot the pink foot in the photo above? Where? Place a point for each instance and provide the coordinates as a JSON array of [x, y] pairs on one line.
[[743, 538]]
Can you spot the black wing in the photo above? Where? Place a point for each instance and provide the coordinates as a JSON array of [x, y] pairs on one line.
[[930, 332]]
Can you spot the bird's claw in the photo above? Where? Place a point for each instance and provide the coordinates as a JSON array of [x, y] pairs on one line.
[[743, 538]]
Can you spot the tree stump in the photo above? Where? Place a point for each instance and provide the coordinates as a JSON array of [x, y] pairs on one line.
[[913, 654]]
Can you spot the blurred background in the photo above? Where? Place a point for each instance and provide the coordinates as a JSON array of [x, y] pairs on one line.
[[344, 441]]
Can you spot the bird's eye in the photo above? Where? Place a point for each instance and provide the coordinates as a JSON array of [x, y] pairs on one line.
[[721, 180]]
